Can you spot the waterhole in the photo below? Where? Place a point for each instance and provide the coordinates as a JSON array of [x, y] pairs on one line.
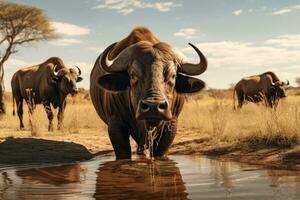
[[178, 177]]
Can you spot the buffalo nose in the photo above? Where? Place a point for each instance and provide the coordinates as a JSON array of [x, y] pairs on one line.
[[74, 90], [154, 109], [148, 105]]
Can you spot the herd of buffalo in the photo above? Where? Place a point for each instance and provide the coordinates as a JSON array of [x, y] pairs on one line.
[[137, 85]]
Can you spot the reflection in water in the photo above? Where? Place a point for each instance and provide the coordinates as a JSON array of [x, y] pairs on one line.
[[229, 180], [33, 183], [284, 181], [140, 179], [180, 177], [222, 176], [57, 175]]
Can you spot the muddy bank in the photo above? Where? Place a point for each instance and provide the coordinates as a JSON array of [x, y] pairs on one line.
[[40, 150], [269, 156], [33, 150]]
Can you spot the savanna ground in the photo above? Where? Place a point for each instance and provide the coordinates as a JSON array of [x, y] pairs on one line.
[[207, 125]]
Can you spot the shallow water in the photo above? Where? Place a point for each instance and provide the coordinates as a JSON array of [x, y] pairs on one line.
[[179, 177]]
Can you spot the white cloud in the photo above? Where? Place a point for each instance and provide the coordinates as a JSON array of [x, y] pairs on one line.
[[65, 30], [241, 55], [285, 10], [237, 12], [65, 42], [126, 7], [68, 29], [186, 33], [292, 41], [282, 11], [228, 61]]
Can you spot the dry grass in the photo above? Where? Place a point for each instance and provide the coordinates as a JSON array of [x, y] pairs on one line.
[[81, 124], [253, 125], [207, 114]]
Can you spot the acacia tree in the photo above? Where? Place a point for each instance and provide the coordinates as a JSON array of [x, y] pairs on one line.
[[19, 24]]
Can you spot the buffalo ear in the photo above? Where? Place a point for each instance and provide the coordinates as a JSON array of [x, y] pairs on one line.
[[114, 82], [187, 84], [79, 79]]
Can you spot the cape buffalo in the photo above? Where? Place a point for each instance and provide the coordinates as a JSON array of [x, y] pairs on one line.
[[264, 87], [47, 83], [137, 87]]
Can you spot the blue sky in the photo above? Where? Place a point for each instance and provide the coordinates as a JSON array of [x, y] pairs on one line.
[[239, 38]]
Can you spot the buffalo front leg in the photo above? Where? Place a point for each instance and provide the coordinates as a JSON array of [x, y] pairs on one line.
[[139, 138], [119, 138], [275, 103], [31, 108], [49, 115], [268, 102], [60, 115], [19, 103]]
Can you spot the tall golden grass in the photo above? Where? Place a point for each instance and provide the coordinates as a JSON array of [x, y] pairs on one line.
[[79, 113], [210, 113], [254, 124]]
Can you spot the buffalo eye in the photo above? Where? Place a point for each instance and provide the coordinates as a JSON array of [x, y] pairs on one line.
[[171, 79]]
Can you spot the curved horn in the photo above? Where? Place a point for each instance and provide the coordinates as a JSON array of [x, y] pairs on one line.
[[273, 83], [195, 69], [55, 73], [287, 82], [118, 64], [79, 71]]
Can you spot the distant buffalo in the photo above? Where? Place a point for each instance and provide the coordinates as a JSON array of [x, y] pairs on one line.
[[47, 83], [138, 86], [264, 87]]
